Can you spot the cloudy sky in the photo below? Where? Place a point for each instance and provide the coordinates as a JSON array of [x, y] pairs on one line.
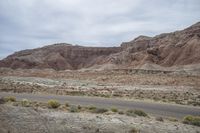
[[26, 24]]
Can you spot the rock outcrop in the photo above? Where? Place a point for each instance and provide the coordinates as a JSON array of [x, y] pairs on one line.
[[59, 57], [168, 49]]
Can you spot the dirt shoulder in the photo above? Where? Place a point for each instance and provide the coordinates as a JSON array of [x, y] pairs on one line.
[[17, 119]]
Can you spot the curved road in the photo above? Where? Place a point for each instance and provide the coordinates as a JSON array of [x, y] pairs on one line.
[[158, 109]]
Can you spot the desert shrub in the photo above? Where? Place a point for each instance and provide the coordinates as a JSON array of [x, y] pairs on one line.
[[121, 112], [114, 110], [67, 104], [159, 119], [73, 109], [192, 120], [10, 99], [79, 107], [25, 103], [134, 130], [133, 113], [100, 110], [173, 119], [130, 113], [140, 113], [53, 104], [91, 107]]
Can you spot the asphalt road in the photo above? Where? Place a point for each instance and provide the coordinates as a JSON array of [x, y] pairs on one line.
[[158, 109]]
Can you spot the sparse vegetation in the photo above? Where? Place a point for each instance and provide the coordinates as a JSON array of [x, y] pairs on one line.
[[79, 107], [192, 120], [140, 113], [133, 113], [130, 113], [100, 110], [67, 104], [121, 112], [10, 99], [180, 97], [53, 104], [73, 109], [91, 107], [173, 119], [25, 103], [114, 109]]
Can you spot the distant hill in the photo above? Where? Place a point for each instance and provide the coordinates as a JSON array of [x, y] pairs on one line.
[[169, 49]]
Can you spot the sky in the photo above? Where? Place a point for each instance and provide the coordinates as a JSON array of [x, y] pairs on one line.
[[27, 24]]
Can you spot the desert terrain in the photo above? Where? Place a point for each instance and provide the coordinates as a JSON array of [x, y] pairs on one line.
[[148, 85]]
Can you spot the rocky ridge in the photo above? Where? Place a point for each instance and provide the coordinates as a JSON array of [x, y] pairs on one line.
[[169, 49]]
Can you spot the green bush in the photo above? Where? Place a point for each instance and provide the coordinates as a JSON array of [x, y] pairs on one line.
[[140, 113], [10, 99], [25, 103], [192, 120], [53, 104], [114, 110]]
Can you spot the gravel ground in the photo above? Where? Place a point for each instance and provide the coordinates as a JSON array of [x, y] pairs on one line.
[[29, 120]]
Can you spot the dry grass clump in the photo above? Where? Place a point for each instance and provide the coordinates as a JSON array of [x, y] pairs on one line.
[[25, 103], [91, 107], [53, 104], [10, 99], [66, 104], [133, 113], [114, 109], [192, 120], [130, 112], [100, 110], [140, 113], [173, 119], [73, 109]]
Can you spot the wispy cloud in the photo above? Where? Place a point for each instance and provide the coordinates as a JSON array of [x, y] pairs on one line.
[[34, 23]]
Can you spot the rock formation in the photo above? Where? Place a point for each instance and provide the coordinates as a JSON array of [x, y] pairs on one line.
[[168, 49]]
